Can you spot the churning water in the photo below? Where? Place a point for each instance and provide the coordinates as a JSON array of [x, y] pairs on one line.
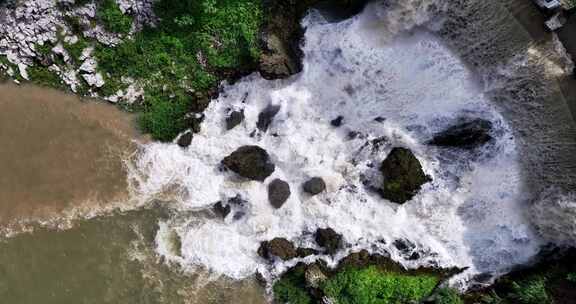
[[421, 66]]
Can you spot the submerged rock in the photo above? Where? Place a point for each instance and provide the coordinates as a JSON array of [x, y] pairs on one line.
[[278, 247], [329, 239], [266, 117], [278, 193], [403, 176], [466, 135], [185, 140], [314, 186], [234, 119], [251, 162]]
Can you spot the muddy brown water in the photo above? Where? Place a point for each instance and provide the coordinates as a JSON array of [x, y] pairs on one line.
[[59, 153], [62, 175]]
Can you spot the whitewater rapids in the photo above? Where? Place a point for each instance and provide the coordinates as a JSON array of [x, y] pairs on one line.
[[394, 61]]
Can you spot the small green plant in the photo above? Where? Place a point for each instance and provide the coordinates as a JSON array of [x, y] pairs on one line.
[[75, 50], [372, 286], [531, 291], [571, 277], [112, 17]]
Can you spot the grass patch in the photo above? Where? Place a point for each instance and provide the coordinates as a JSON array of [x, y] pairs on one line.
[[112, 18], [193, 46], [372, 286]]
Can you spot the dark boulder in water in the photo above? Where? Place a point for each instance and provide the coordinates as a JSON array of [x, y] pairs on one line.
[[278, 193], [266, 117], [278, 247], [467, 135], [221, 209], [315, 185], [185, 140], [403, 176], [234, 118], [251, 162], [329, 239], [304, 252], [337, 122]]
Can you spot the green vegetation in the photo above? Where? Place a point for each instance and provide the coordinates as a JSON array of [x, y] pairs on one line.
[[370, 285], [44, 77], [531, 291], [362, 286], [448, 296], [112, 17], [75, 50], [196, 44], [571, 277], [292, 288]]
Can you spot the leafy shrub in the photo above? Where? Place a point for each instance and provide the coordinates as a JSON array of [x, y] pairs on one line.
[[371, 286], [531, 291], [75, 50], [112, 17], [448, 296], [571, 277]]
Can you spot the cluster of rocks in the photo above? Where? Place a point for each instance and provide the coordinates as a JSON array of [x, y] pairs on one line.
[[280, 248], [29, 25]]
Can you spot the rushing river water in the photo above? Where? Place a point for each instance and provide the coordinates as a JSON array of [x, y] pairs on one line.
[[418, 66]]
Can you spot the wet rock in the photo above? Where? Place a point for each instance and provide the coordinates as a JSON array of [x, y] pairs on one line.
[[407, 249], [337, 122], [314, 186], [251, 162], [329, 239], [278, 193], [403, 176], [282, 33], [234, 119], [221, 209], [314, 275], [278, 247], [305, 252], [363, 259], [467, 135], [266, 117], [185, 140]]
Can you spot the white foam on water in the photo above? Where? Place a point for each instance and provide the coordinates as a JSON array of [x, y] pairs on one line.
[[468, 216]]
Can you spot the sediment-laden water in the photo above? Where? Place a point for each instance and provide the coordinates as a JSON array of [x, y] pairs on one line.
[[417, 66]]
